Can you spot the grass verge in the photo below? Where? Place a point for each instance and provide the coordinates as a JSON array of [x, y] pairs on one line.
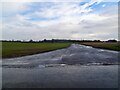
[[103, 45], [17, 49]]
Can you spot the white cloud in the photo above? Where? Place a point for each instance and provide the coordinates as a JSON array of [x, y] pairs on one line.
[[103, 5], [64, 9], [11, 9], [72, 22]]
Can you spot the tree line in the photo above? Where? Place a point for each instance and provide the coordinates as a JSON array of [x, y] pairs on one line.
[[59, 40]]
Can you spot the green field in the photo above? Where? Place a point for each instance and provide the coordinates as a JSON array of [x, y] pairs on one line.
[[104, 45], [17, 49]]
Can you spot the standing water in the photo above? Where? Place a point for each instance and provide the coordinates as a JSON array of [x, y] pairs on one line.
[[77, 66]]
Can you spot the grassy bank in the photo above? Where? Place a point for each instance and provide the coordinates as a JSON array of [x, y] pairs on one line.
[[17, 49], [104, 45]]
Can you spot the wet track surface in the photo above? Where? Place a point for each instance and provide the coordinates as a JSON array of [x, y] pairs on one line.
[[76, 66], [75, 54]]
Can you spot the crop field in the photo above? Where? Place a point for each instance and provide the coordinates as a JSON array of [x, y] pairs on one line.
[[104, 45], [17, 49]]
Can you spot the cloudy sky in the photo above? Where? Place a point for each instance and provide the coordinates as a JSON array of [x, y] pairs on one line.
[[93, 19]]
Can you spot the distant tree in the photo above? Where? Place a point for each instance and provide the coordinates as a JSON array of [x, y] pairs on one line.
[[112, 40], [31, 40], [97, 41], [44, 40], [53, 40], [18, 40]]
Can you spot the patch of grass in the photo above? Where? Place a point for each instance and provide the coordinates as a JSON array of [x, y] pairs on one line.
[[104, 45], [17, 49]]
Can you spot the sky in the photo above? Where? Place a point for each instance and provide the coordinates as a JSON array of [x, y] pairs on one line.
[[78, 20]]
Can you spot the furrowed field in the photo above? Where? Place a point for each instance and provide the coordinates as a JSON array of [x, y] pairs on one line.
[[17, 49], [104, 45]]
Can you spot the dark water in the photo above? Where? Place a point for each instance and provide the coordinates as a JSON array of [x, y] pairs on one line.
[[76, 66]]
